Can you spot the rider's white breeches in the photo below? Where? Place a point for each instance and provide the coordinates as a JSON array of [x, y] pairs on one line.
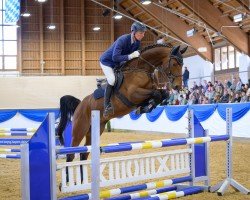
[[109, 73]]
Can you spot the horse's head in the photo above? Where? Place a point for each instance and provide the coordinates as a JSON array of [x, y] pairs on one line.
[[161, 59], [173, 69]]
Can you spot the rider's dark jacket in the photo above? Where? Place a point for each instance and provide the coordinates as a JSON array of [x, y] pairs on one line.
[[118, 52]]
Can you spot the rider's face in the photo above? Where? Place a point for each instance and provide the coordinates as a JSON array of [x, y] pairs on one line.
[[139, 35]]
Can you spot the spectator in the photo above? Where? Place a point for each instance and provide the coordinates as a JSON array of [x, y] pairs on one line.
[[195, 86], [221, 85], [231, 96], [227, 84], [237, 98], [233, 86], [244, 97], [205, 85], [248, 95], [210, 94], [185, 77], [238, 85], [225, 97]]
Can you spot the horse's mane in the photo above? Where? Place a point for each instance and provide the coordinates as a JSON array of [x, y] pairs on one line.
[[149, 47], [154, 46]]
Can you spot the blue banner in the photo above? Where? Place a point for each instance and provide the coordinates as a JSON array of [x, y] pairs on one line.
[[174, 113]]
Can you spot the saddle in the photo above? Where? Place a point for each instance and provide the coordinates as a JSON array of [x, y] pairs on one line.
[[102, 83]]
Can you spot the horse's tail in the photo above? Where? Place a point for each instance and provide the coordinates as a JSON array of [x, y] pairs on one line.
[[68, 105]]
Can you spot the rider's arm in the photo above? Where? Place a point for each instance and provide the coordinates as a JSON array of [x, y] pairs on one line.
[[117, 57]]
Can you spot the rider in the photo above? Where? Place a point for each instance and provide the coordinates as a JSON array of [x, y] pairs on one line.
[[123, 49]]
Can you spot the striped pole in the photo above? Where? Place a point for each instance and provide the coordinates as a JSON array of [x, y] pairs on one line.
[[9, 150], [17, 134], [159, 144], [87, 149], [144, 193], [13, 156], [18, 129], [134, 188], [14, 141], [129, 146], [175, 194]]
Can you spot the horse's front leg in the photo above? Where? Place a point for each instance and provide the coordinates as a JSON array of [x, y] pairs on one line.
[[155, 98]]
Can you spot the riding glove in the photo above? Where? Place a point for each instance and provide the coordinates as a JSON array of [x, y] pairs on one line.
[[135, 54]]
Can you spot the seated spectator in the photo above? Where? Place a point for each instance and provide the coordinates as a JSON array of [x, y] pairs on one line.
[[182, 99], [201, 99], [244, 97], [216, 99], [225, 97], [221, 85], [171, 98], [245, 88], [218, 90], [210, 93], [231, 96], [192, 100], [195, 86], [205, 101], [248, 95], [237, 98]]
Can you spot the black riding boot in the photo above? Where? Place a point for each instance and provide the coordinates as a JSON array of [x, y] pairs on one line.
[[108, 108]]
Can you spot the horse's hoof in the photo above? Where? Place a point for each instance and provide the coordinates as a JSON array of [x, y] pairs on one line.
[[138, 110], [60, 187]]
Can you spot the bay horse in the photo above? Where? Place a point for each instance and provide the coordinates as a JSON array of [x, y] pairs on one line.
[[138, 87]]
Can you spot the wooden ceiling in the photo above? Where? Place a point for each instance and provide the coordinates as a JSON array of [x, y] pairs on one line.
[[213, 21]]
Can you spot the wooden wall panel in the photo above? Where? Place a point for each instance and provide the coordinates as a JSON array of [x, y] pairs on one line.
[[68, 50]]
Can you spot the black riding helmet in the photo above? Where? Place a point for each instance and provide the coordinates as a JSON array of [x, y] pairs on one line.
[[137, 26]]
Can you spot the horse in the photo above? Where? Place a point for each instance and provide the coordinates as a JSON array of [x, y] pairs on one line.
[[138, 87]]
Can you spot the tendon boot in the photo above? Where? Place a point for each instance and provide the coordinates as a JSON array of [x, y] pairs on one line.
[[108, 108]]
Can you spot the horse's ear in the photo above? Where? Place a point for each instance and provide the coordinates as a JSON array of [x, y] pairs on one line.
[[175, 50], [184, 50]]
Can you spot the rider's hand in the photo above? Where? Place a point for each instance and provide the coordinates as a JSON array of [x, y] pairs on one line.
[[135, 54]]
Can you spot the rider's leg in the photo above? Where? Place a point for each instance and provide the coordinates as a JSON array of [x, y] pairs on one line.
[[109, 73]]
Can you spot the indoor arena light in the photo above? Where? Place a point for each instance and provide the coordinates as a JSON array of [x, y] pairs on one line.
[[117, 16], [26, 14], [238, 18], [202, 49], [191, 32], [41, 1], [146, 2], [52, 27], [96, 28]]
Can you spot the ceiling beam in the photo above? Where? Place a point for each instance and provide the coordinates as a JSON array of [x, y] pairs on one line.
[[212, 16], [246, 3], [177, 27]]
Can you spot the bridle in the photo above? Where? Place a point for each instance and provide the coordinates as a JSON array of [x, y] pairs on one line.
[[170, 76]]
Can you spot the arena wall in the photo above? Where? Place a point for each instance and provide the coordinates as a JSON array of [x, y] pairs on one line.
[[42, 92]]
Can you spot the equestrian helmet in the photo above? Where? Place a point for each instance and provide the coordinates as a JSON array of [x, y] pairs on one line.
[[137, 26]]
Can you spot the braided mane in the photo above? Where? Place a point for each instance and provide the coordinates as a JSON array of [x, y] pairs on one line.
[[146, 49], [154, 46]]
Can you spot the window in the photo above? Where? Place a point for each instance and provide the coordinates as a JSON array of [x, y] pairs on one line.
[[225, 58], [217, 59], [8, 42], [231, 56]]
